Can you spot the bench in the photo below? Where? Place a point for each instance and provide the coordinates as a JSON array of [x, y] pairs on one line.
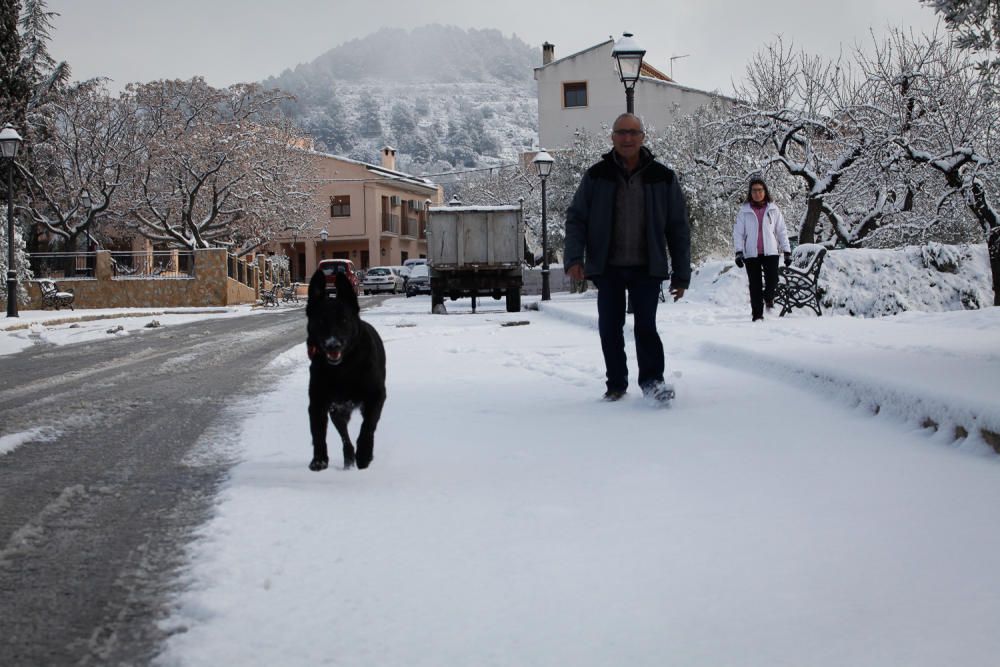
[[269, 297], [290, 292], [797, 284], [53, 297]]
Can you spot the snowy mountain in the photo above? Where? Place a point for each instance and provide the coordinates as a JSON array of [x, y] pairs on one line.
[[444, 97]]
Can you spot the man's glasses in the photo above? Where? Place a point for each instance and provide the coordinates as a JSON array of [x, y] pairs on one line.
[[628, 133]]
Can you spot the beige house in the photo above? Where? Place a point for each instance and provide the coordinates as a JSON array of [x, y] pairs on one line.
[[372, 215]]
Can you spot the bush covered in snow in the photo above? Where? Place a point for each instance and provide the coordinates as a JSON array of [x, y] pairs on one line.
[[875, 283]]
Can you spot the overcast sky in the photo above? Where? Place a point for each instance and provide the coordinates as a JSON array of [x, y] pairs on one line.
[[227, 41]]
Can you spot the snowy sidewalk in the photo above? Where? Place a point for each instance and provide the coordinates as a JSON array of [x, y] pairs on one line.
[[934, 370]]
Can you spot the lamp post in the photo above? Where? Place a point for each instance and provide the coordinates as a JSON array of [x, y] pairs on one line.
[[629, 55], [543, 165], [10, 143]]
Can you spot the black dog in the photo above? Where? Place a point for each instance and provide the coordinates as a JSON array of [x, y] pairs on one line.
[[347, 371]]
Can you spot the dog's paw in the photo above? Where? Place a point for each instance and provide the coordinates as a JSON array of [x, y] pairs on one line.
[[319, 464], [364, 460]]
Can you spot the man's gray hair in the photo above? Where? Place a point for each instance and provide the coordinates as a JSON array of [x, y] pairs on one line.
[[632, 116]]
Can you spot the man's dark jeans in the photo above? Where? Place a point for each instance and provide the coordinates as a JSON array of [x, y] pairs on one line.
[[611, 296]]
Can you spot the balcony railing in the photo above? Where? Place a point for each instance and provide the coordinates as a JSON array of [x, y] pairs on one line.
[[390, 223]]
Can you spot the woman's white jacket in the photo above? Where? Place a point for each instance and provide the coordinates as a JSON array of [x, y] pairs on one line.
[[775, 232]]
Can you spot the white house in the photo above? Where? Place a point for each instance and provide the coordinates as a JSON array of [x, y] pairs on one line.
[[584, 91]]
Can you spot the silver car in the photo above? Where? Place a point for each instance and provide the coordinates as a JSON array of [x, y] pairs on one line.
[[382, 279]]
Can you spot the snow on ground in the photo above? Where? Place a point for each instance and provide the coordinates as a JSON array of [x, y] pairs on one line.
[[64, 327], [768, 517], [820, 493]]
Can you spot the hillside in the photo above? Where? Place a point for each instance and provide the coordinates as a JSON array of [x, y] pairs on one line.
[[444, 97]]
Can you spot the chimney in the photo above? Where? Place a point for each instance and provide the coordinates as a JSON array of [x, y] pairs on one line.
[[548, 53], [389, 158]]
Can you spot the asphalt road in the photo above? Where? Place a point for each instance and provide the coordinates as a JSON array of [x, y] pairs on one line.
[[131, 447]]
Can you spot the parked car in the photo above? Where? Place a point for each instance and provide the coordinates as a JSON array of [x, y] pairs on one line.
[[331, 267], [382, 279], [413, 262], [420, 280]]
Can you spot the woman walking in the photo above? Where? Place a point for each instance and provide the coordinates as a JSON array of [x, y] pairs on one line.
[[759, 235]]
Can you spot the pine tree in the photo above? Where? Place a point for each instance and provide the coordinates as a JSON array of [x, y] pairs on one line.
[[38, 67], [15, 91]]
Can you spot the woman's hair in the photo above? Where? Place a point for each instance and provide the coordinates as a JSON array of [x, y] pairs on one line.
[[757, 180]]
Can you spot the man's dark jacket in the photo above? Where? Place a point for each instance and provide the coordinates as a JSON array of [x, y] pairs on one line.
[[591, 218]]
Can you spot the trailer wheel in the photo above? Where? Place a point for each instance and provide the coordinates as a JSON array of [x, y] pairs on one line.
[[513, 300]]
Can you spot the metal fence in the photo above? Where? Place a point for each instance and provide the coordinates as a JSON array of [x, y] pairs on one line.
[[62, 264], [166, 263], [241, 271]]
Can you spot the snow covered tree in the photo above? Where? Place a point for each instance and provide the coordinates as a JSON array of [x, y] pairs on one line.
[[219, 167], [688, 146], [88, 144], [801, 113], [23, 269], [941, 117]]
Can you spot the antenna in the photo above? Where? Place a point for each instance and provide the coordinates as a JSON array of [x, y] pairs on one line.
[[672, 59]]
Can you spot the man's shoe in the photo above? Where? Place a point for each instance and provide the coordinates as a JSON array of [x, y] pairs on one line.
[[613, 395], [769, 304], [660, 392]]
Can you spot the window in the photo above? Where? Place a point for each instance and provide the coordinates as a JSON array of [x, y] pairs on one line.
[[575, 94], [340, 206]]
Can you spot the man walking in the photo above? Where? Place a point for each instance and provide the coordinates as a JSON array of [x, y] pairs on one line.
[[627, 214]]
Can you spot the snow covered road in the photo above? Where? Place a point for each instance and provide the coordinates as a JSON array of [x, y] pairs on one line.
[[511, 518]]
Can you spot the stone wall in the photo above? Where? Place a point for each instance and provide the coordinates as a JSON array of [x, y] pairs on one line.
[[209, 285]]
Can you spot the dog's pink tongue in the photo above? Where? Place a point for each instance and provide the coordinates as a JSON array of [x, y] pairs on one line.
[[334, 355]]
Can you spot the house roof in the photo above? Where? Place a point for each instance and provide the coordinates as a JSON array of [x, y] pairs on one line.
[[646, 70], [381, 172]]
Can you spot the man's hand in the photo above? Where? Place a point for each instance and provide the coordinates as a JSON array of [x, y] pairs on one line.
[[676, 292], [739, 259], [576, 272]]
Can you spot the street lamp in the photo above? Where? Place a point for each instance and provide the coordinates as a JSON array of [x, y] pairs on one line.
[[629, 55], [10, 143], [543, 165], [324, 235]]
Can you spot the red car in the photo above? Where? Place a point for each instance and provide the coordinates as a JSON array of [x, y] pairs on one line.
[[331, 267]]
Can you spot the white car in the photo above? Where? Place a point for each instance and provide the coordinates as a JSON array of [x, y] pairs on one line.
[[382, 279]]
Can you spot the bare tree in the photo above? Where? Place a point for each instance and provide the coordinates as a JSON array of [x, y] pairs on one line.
[[944, 118], [88, 145], [219, 168]]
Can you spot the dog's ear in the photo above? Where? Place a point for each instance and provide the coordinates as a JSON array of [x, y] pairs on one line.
[[345, 292], [317, 290]]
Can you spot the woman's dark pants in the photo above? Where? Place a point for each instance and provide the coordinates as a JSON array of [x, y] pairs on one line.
[[761, 291]]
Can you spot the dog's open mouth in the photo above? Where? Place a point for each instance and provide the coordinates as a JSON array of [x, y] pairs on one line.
[[334, 356]]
